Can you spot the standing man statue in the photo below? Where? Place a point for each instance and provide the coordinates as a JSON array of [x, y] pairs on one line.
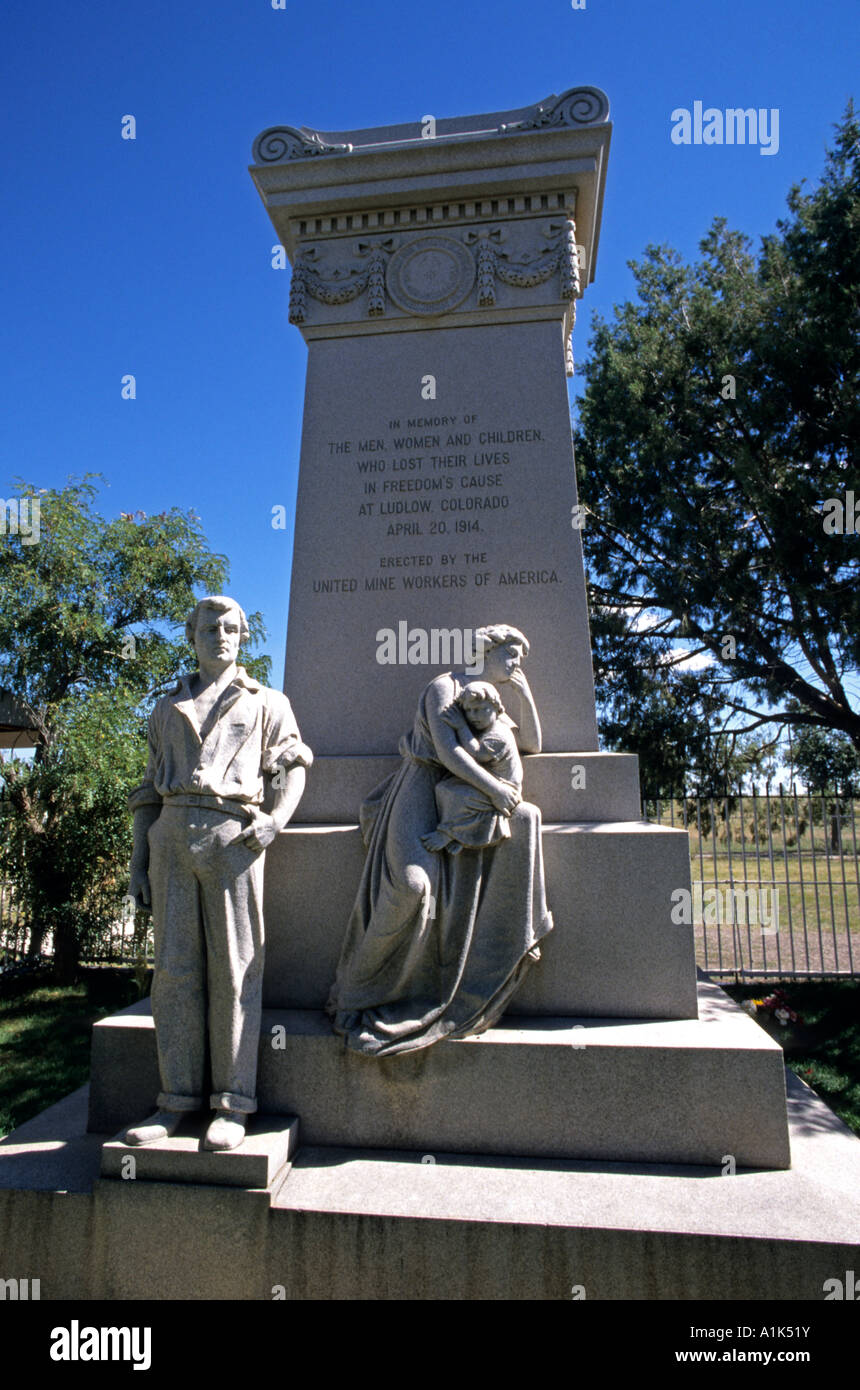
[[200, 836]]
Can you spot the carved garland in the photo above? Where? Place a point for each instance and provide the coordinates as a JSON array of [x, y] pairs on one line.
[[493, 263], [561, 255], [342, 286]]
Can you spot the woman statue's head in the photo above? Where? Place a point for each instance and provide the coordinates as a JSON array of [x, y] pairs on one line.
[[502, 649]]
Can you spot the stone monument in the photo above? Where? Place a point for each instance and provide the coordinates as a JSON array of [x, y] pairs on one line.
[[580, 1142], [435, 276]]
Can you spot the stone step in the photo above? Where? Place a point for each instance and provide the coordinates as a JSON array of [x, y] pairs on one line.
[[684, 1091], [566, 786], [614, 952]]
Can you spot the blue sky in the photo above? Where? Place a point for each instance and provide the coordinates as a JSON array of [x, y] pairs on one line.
[[153, 256]]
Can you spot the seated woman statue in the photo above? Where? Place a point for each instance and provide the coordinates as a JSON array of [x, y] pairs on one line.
[[447, 918]]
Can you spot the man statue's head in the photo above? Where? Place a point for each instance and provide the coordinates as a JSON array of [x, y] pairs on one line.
[[216, 629]]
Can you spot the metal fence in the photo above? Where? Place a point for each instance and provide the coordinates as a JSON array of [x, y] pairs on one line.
[[14, 928], [124, 937], [776, 881], [117, 935]]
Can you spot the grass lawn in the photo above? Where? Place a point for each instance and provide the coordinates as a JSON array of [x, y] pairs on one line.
[[45, 1038], [824, 1049]]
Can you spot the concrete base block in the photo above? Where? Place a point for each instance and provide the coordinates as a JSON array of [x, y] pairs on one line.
[[263, 1159], [683, 1091], [355, 1224], [124, 1080], [158, 1240], [566, 786], [312, 874], [614, 953]]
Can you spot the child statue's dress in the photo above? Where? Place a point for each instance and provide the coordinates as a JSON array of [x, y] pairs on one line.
[[466, 815]]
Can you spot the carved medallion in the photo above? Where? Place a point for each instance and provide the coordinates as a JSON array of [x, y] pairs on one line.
[[430, 275]]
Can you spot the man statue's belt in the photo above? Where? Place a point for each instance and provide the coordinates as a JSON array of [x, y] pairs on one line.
[[207, 801]]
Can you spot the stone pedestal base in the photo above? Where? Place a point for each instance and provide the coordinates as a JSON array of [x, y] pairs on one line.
[[360, 1224], [615, 951], [682, 1091], [262, 1160]]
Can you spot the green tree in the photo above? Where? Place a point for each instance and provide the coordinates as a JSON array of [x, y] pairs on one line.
[[826, 761], [720, 413], [662, 717], [91, 632]]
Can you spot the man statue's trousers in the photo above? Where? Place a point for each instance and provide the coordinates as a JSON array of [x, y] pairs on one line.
[[207, 906]]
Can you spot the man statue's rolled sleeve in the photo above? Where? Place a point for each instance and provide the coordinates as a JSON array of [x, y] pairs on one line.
[[282, 744]]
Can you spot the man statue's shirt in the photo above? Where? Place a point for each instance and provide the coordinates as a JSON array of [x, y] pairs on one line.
[[251, 730]]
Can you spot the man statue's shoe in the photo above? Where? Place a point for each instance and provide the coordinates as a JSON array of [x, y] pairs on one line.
[[226, 1131], [161, 1125]]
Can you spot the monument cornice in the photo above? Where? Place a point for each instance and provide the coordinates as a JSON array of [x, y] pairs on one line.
[[575, 108], [303, 174]]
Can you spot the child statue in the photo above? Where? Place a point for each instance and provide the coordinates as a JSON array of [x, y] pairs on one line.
[[467, 817]]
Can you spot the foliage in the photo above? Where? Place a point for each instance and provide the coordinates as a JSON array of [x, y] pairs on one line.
[[720, 413], [826, 760], [823, 1047], [91, 632]]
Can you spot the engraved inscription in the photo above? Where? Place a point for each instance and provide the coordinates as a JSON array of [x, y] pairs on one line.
[[449, 482]]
